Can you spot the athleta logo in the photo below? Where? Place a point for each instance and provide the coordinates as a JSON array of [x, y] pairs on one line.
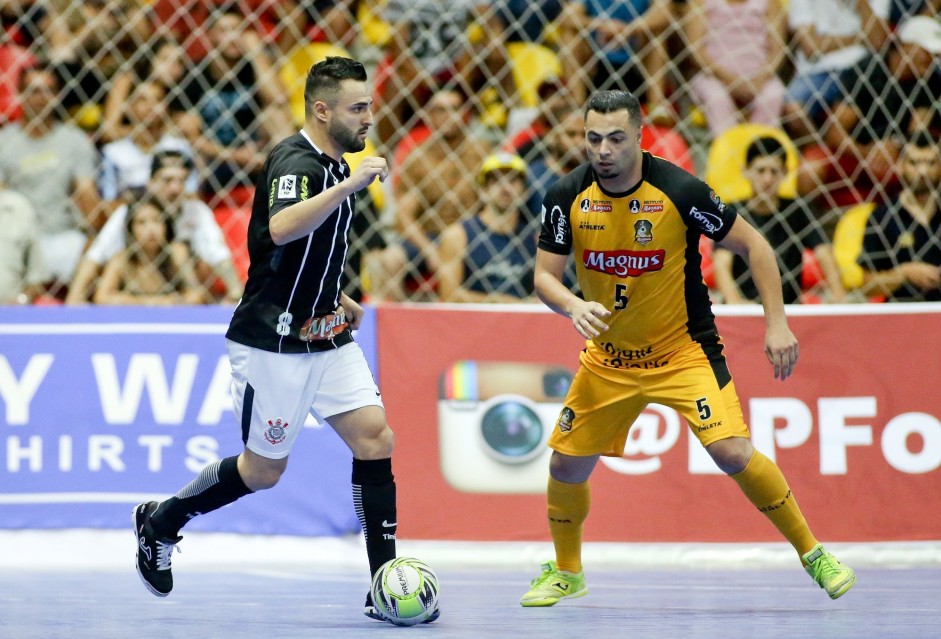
[[624, 263]]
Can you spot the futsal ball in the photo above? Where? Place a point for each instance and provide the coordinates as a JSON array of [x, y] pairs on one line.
[[405, 591]]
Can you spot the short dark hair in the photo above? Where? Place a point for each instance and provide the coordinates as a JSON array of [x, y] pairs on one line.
[[170, 157], [324, 78], [611, 101], [765, 146]]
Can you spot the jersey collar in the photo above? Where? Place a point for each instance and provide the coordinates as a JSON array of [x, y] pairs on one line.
[[644, 171], [323, 156]]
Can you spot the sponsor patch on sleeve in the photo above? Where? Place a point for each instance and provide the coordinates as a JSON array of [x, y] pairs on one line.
[[287, 187]]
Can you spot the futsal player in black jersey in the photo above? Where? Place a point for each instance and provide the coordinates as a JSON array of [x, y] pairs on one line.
[[289, 340]]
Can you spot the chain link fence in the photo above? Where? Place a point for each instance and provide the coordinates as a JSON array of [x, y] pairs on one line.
[[454, 82]]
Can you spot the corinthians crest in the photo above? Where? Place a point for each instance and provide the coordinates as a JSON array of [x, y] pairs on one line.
[[276, 431]]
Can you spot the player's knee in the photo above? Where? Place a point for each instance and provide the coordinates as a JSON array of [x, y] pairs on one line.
[[731, 455], [262, 476], [571, 470], [377, 444]]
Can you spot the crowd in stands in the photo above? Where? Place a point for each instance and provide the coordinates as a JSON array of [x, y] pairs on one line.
[[132, 132]]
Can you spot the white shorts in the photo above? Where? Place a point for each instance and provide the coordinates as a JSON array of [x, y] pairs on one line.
[[273, 392]]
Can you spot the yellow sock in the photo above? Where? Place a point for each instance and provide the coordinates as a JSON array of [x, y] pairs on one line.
[[765, 486], [568, 508]]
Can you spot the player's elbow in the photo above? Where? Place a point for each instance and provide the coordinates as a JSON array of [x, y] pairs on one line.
[[280, 232]]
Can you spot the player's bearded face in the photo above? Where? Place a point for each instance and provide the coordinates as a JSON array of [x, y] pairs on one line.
[[350, 138], [351, 117], [611, 144]]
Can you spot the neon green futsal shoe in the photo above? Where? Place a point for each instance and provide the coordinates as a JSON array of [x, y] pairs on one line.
[[829, 573], [552, 585]]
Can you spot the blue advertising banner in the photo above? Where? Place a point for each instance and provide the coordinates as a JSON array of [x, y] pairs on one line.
[[102, 408]]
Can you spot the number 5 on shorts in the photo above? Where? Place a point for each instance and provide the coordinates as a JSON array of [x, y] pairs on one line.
[[704, 411]]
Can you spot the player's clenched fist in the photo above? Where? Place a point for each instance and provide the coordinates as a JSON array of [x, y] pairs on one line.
[[369, 169], [587, 318]]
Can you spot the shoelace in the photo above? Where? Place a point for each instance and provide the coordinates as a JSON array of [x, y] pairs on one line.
[[825, 567], [164, 551], [546, 575]]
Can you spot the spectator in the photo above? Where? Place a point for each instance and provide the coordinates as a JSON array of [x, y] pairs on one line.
[[88, 42], [525, 20], [901, 252], [551, 146], [527, 126], [126, 162], [829, 36], [489, 257], [430, 47], [621, 45], [193, 225], [432, 189], [239, 104], [22, 26], [163, 63], [889, 94], [154, 269], [559, 152], [21, 264], [332, 21], [53, 164], [788, 225], [739, 46]]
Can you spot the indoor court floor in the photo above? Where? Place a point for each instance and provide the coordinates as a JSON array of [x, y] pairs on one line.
[[476, 602]]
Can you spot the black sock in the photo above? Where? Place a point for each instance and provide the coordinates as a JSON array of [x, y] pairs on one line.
[[217, 485], [374, 501]]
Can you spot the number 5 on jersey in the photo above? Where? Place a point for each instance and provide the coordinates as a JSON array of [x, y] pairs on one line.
[[620, 297]]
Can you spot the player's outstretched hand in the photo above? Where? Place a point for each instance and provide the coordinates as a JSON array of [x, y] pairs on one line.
[[782, 350], [368, 170], [587, 318]]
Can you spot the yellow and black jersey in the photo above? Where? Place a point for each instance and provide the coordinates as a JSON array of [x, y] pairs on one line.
[[637, 254]]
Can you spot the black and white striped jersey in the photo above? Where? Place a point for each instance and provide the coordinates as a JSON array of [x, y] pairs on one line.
[[287, 285]]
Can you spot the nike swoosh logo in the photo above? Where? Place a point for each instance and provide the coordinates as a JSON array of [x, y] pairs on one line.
[[386, 524]]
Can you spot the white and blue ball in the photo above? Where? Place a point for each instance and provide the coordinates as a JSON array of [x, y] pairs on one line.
[[405, 591]]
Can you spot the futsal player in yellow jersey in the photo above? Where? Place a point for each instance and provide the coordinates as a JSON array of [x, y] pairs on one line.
[[633, 221]]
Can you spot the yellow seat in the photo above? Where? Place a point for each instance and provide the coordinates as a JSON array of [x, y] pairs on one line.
[[293, 72], [375, 188], [376, 31], [532, 65], [848, 243], [725, 163]]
